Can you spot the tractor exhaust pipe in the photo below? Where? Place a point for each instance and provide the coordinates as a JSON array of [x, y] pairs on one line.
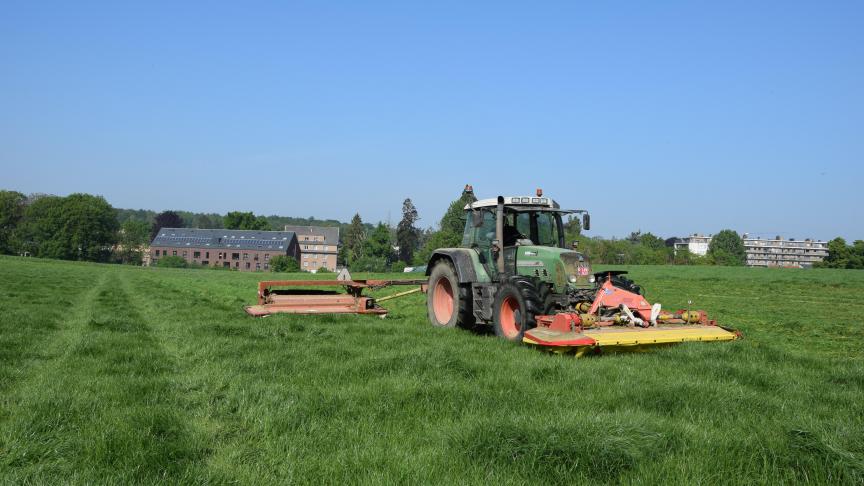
[[499, 234]]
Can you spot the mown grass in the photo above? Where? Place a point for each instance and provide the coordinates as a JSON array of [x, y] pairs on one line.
[[113, 374]]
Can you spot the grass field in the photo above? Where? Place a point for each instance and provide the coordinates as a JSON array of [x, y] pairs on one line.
[[114, 374]]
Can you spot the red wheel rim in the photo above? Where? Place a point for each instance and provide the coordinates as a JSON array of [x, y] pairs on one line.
[[442, 301], [509, 318]]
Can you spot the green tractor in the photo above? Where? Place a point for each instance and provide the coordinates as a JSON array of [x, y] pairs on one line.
[[512, 266]]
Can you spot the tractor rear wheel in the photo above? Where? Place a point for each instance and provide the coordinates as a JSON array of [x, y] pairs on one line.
[[448, 303], [516, 305]]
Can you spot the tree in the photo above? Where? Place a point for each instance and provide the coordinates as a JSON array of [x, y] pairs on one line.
[[76, 227], [648, 240], [11, 212], [407, 235], [839, 254], [245, 221], [131, 239], [354, 236], [165, 219], [726, 248], [452, 225], [284, 263], [377, 244]]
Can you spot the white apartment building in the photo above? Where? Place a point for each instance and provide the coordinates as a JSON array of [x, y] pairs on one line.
[[778, 252], [697, 244]]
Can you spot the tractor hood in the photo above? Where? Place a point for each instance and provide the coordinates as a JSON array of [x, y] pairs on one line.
[[558, 266]]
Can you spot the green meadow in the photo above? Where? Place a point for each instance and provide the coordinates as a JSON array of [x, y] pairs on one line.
[[117, 375]]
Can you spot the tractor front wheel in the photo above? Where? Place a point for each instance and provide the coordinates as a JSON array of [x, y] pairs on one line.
[[447, 302], [516, 305]]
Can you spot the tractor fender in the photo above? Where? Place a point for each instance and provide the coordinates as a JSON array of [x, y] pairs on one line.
[[464, 260]]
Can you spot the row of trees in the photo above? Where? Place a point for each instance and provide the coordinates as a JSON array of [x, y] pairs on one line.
[[841, 255], [639, 248], [75, 227], [86, 227]]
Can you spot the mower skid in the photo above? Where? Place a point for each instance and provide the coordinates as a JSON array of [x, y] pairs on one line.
[[622, 338]]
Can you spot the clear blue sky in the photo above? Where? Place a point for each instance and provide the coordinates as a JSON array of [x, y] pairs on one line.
[[670, 117]]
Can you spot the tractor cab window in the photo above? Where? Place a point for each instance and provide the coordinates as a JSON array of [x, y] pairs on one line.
[[517, 229], [482, 235], [547, 229]]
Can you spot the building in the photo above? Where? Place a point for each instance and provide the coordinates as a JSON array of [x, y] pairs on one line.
[[242, 250], [697, 244], [319, 246], [784, 253]]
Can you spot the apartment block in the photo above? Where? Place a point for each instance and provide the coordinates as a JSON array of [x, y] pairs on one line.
[[319, 246], [779, 252], [242, 250]]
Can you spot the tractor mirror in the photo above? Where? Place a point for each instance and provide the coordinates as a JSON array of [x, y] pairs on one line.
[[477, 218], [586, 221]]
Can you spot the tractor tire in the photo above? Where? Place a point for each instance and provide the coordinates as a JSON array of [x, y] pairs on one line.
[[516, 305], [547, 299], [448, 303]]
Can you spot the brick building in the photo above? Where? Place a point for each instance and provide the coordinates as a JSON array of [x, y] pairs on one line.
[[242, 250], [319, 246]]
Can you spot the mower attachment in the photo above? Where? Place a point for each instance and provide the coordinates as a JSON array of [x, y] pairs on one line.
[[297, 298], [619, 320]]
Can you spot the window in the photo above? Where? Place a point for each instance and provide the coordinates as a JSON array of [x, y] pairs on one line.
[[245, 256], [236, 264], [207, 255], [235, 256], [266, 266], [157, 253], [257, 266], [305, 264], [248, 265], [196, 254], [185, 253], [174, 252], [266, 257]]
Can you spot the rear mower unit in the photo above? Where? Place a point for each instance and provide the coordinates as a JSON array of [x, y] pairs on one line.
[[294, 296], [514, 272]]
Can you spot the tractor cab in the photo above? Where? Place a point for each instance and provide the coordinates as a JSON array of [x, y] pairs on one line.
[[523, 235]]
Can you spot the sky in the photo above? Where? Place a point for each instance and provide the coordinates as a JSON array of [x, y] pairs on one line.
[[668, 117]]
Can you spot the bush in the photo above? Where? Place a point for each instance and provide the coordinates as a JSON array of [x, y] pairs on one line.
[[369, 264], [324, 270], [284, 263], [398, 266], [172, 261]]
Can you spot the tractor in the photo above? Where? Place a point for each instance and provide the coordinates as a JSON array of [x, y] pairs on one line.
[[514, 271], [513, 265]]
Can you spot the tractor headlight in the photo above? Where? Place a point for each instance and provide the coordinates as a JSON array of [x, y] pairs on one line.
[[592, 279], [572, 278]]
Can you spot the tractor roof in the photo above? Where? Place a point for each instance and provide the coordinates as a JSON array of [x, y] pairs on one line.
[[516, 202]]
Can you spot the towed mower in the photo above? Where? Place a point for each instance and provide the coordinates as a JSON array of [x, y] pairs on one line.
[[514, 272]]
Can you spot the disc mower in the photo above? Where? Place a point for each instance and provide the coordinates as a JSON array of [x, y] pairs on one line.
[[513, 272]]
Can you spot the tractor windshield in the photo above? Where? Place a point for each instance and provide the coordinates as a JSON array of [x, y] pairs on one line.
[[543, 228]]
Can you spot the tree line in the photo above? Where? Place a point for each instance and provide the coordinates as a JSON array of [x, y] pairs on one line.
[[86, 227]]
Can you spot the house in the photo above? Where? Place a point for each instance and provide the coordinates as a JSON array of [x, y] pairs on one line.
[[696, 244], [319, 246], [243, 250]]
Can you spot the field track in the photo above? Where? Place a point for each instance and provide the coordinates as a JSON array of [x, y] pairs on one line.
[[113, 375]]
